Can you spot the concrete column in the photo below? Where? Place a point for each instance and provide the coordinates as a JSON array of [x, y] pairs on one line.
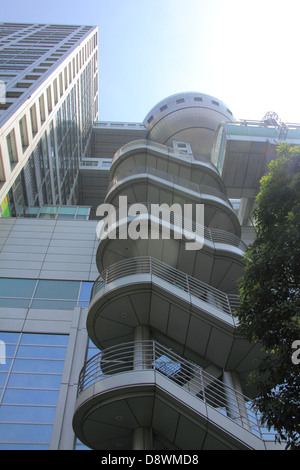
[[241, 401], [140, 359], [142, 439], [231, 398]]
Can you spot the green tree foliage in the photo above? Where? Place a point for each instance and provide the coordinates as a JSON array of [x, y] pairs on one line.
[[269, 312]]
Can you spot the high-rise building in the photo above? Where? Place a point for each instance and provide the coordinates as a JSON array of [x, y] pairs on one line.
[[128, 340], [49, 74]]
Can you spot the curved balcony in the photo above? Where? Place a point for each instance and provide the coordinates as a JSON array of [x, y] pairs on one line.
[[156, 186], [123, 388], [190, 315], [172, 238], [158, 156]]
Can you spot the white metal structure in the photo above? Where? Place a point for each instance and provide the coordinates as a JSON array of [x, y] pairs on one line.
[[172, 365]]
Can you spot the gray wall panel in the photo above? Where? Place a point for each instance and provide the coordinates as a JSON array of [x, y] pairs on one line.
[[47, 249]]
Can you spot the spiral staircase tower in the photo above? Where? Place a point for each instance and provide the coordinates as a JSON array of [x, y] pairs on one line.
[[172, 370]]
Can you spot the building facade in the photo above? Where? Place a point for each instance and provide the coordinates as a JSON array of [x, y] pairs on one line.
[[126, 341], [171, 371], [50, 77]]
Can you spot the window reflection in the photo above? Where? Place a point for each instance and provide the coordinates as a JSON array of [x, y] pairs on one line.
[[21, 287], [57, 290], [29, 386], [85, 294], [44, 294], [91, 351]]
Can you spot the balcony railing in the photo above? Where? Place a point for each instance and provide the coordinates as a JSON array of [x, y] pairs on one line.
[[227, 303], [170, 151], [200, 189], [150, 355], [212, 235]]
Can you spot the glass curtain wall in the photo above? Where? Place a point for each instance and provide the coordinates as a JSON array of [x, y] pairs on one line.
[[30, 378]]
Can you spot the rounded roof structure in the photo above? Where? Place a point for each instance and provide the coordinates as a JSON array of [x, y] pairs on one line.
[[187, 117]]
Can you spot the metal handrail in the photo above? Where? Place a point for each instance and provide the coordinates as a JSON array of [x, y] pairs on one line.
[[211, 234], [150, 355], [152, 266], [200, 189], [152, 145], [221, 236]]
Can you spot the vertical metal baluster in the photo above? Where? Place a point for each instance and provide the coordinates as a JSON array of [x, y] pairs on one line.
[[187, 284], [202, 386]]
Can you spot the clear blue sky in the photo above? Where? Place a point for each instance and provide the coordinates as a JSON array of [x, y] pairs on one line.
[[244, 53]]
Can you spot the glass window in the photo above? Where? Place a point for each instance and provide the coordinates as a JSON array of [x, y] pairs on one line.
[[23, 132], [92, 350], [17, 287], [48, 212], [42, 108], [85, 294], [53, 304], [57, 290], [41, 352], [34, 380], [9, 349], [3, 377], [82, 213], [16, 303], [51, 340], [16, 292], [17, 446], [10, 338], [12, 149], [83, 210], [36, 365], [30, 396], [32, 211], [67, 213], [33, 119], [67, 210], [25, 414], [20, 432], [21, 293], [30, 379]]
